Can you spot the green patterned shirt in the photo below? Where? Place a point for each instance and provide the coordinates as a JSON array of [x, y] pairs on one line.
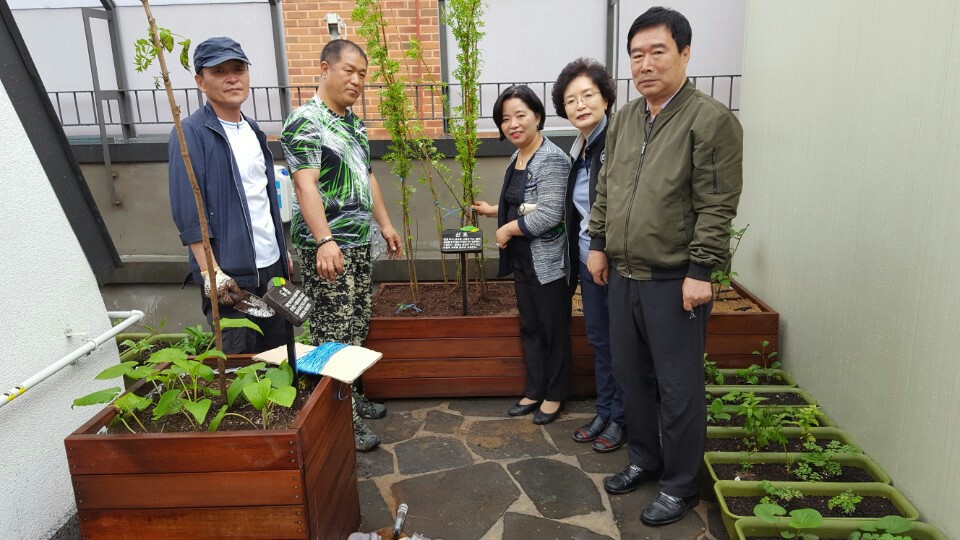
[[314, 137]]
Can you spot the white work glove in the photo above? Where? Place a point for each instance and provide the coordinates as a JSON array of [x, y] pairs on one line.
[[227, 289]]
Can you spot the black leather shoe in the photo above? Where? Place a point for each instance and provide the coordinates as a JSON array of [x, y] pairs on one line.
[[540, 418], [667, 509], [521, 410], [612, 438], [627, 480], [590, 430]]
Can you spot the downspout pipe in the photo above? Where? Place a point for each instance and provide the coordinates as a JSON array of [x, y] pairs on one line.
[[130, 318]]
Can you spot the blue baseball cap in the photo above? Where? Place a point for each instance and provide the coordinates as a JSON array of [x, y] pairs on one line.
[[215, 51]]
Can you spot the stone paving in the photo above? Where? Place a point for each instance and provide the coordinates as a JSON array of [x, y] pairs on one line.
[[469, 472]]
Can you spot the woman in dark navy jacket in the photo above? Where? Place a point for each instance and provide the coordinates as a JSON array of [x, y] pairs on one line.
[[583, 94]]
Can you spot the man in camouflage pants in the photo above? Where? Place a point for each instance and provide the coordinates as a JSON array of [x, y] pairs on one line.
[[328, 153]]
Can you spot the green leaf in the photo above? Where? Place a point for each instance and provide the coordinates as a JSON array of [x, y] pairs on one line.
[[169, 403], [768, 512], [240, 323], [236, 386], [257, 393], [280, 377], [169, 354], [113, 372], [166, 39], [141, 372], [129, 403], [252, 368], [185, 54], [283, 396], [211, 353], [198, 409], [805, 518], [215, 422], [894, 524], [97, 398]]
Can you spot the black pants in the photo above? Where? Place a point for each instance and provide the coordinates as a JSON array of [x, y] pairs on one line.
[[656, 346], [544, 328], [245, 340]]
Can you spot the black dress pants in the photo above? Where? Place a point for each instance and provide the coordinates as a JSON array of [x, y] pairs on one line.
[[657, 347], [544, 327]]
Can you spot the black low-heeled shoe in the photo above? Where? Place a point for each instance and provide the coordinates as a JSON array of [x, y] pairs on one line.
[[521, 410], [541, 418]]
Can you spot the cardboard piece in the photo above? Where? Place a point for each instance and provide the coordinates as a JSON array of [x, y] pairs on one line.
[[346, 365]]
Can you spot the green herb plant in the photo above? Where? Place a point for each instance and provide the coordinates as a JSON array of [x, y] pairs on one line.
[[846, 501], [768, 359], [717, 411], [197, 340], [265, 392], [761, 426], [801, 518], [710, 372], [885, 528], [805, 418], [776, 494], [721, 278], [817, 464]]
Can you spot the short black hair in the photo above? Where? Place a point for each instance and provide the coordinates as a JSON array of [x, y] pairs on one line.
[[332, 51], [678, 25], [523, 93], [584, 67]]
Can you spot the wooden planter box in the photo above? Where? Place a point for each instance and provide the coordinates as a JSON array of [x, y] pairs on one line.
[[733, 336], [481, 355], [292, 483]]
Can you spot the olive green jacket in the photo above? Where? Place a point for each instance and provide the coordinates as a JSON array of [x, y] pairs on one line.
[[666, 195]]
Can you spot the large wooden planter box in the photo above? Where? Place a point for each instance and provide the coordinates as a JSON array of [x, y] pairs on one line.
[[482, 356], [293, 483], [733, 336]]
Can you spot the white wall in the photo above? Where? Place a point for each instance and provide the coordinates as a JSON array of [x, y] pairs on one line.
[[49, 288], [850, 114]]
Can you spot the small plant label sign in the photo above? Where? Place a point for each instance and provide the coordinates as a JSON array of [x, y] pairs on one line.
[[461, 240]]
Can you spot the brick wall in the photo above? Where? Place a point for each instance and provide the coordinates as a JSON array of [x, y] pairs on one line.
[[306, 35]]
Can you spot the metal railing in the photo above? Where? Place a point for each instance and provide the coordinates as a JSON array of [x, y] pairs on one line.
[[151, 114]]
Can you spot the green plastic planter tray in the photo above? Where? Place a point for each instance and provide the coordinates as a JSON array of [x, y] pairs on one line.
[[719, 391], [821, 433], [753, 526], [861, 461], [732, 488], [824, 420], [787, 378]]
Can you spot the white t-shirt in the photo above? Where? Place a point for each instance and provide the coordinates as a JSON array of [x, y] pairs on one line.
[[253, 174]]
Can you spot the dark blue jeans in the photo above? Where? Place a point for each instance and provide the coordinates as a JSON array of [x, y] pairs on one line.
[[596, 318]]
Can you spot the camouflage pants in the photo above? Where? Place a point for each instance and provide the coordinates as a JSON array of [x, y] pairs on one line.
[[342, 311]]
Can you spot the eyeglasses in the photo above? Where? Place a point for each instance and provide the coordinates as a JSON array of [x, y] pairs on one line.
[[586, 98]]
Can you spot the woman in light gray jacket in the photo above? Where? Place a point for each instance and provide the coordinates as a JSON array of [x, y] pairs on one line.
[[533, 246]]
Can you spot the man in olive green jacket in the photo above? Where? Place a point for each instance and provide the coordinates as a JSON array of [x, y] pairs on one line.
[[666, 196]]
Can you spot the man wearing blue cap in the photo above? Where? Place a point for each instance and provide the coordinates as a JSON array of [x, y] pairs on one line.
[[234, 169]]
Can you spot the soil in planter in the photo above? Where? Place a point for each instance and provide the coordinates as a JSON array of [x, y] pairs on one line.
[[773, 399], [777, 472], [280, 418], [736, 445], [869, 507], [730, 301], [442, 300]]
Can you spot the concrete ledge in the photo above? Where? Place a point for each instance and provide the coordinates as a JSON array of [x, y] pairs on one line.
[[173, 269], [155, 149]]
